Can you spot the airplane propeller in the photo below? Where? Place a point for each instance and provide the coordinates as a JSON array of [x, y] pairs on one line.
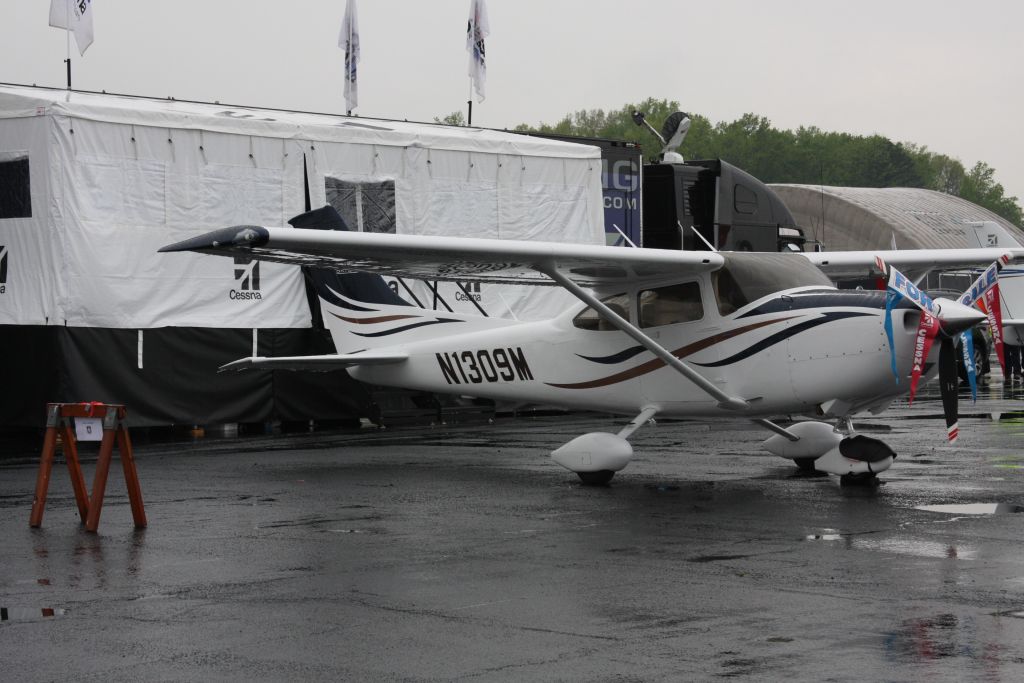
[[940, 318], [949, 383]]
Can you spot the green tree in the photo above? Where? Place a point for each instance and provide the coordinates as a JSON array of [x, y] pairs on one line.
[[979, 186], [613, 125], [807, 155], [456, 118]]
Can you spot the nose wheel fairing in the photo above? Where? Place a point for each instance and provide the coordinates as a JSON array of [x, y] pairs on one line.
[[827, 450]]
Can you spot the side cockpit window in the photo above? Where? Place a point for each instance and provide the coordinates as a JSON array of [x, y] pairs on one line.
[[589, 319], [669, 305], [728, 293]]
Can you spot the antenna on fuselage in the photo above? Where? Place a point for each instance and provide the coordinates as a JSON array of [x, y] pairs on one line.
[[703, 239]]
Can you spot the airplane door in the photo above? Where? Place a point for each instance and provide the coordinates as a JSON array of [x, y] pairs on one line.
[[675, 316]]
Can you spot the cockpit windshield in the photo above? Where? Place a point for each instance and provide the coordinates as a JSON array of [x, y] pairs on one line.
[[747, 277]]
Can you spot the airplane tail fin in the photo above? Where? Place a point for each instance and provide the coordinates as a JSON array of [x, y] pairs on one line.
[[362, 312], [985, 234], [1011, 279], [365, 287]]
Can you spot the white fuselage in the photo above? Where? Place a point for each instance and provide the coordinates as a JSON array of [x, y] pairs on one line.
[[788, 353]]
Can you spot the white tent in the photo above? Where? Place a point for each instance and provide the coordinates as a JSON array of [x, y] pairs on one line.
[[91, 185]]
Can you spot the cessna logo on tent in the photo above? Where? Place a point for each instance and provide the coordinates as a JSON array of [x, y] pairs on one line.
[[3, 269], [247, 279]]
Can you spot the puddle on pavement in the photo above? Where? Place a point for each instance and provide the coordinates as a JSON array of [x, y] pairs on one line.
[[973, 508], [917, 548], [898, 546]]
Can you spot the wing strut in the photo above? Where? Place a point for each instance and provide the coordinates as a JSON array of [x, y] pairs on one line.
[[645, 415], [724, 400], [778, 429]]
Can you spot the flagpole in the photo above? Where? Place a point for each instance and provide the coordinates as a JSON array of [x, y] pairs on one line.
[[67, 40], [469, 119]]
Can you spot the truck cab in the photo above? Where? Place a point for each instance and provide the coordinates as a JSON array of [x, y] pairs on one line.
[[729, 208]]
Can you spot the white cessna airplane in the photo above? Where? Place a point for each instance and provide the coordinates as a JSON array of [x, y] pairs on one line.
[[656, 332]]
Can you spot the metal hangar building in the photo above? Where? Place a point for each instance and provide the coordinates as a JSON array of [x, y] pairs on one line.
[[859, 218]]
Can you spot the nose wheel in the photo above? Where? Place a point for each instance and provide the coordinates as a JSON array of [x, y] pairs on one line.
[[859, 480]]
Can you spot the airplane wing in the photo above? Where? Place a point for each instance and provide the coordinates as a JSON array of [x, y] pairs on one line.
[[859, 264], [323, 363], [452, 258]]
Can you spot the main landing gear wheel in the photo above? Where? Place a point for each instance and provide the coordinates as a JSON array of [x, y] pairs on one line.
[[599, 478], [805, 464], [862, 480]]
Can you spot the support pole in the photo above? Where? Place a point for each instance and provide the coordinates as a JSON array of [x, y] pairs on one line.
[[45, 467], [68, 442], [99, 482], [67, 39], [131, 478]]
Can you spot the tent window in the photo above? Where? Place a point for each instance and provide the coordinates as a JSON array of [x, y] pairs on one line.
[[366, 206], [15, 194]]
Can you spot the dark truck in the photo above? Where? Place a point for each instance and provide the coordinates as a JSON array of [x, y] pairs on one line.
[[726, 207], [654, 205]]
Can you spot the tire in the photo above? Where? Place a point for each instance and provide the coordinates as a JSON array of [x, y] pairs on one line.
[[863, 480], [805, 464], [599, 478]]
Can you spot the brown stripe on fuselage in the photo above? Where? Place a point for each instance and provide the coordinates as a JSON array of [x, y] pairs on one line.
[[369, 321], [657, 363]]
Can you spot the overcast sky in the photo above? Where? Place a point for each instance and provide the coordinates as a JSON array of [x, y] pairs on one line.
[[941, 73]]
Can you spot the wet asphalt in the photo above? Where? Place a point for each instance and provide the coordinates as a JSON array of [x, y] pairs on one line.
[[462, 552]]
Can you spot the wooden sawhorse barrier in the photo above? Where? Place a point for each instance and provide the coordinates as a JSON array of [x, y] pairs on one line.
[[58, 421]]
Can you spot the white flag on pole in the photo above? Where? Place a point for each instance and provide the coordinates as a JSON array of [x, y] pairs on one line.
[[348, 41], [74, 16], [476, 31]]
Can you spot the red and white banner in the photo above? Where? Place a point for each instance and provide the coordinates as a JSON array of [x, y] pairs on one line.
[[984, 293], [994, 312], [927, 330]]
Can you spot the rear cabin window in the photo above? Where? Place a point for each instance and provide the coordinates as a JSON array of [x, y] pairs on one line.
[[590, 319], [669, 305], [15, 192], [747, 277]]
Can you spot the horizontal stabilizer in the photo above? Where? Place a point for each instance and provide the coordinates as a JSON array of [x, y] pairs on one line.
[[324, 363]]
